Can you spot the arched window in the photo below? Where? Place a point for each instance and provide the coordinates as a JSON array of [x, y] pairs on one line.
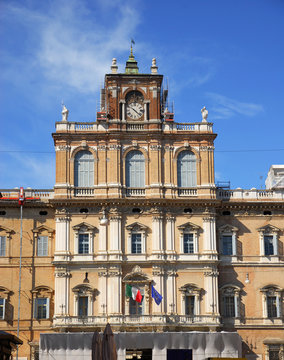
[[135, 169], [186, 169], [84, 169]]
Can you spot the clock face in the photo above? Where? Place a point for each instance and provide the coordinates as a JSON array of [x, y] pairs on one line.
[[135, 110]]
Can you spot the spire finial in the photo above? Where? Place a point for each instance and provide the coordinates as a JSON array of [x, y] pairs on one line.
[[131, 48], [131, 63]]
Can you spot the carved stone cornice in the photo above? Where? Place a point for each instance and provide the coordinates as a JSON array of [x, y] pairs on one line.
[[211, 272], [62, 148]]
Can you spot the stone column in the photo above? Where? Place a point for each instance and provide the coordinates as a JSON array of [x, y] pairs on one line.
[[61, 293], [102, 251], [209, 234], [62, 250], [115, 238], [170, 291], [211, 289], [170, 237], [157, 237], [102, 287], [158, 278], [114, 291]]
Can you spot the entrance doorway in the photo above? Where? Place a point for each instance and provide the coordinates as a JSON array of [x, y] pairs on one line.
[[139, 354], [179, 354]]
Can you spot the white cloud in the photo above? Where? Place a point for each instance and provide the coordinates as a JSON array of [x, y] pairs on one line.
[[225, 107], [72, 44]]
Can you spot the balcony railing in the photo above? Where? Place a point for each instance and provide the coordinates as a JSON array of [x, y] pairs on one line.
[[133, 192], [82, 191], [187, 192], [30, 194], [134, 127], [137, 320], [252, 194]]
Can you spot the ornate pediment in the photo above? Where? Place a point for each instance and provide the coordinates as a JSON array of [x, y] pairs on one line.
[[189, 289], [227, 228], [271, 289], [83, 289], [189, 227], [136, 275], [230, 289], [83, 226], [43, 228], [6, 230], [268, 229], [137, 227]]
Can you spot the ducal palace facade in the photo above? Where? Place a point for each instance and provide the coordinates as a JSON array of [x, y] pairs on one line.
[[135, 203]]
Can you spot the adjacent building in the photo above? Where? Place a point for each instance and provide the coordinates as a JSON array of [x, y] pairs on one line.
[[135, 203]]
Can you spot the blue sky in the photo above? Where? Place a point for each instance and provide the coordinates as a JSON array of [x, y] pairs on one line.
[[226, 55]]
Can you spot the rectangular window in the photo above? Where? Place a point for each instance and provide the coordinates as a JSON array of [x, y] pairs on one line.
[[2, 245], [136, 308], [42, 246], [268, 245], [189, 305], [227, 245], [83, 306], [271, 306], [136, 243], [2, 308], [274, 352], [83, 247], [229, 306], [41, 308], [188, 243]]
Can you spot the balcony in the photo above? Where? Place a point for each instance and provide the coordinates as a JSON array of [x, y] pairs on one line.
[[252, 194], [135, 192], [83, 192], [30, 194], [137, 320], [134, 127], [187, 192]]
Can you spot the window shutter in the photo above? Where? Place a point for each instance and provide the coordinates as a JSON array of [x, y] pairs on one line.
[[2, 245], [45, 246], [47, 307], [84, 169], [35, 308], [4, 309]]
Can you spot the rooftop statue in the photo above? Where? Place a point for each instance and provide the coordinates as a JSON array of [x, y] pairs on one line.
[[64, 113], [204, 113]]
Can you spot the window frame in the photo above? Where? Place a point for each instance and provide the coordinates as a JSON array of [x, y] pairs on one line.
[[6, 233], [134, 304], [191, 290], [43, 231], [38, 306], [190, 180], [83, 229], [136, 228], [230, 291], [39, 293], [141, 280], [89, 177], [270, 291], [133, 180], [269, 231], [80, 291], [44, 251], [193, 229], [225, 231]]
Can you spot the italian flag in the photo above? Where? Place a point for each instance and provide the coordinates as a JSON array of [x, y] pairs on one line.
[[132, 291]]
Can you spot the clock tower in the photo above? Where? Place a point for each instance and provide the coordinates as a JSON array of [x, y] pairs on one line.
[[130, 98]]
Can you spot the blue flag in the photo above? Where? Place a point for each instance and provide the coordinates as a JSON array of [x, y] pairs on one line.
[[156, 296]]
